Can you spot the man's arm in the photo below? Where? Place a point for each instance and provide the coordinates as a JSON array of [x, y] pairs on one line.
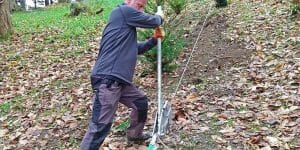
[[143, 47], [146, 45], [139, 19]]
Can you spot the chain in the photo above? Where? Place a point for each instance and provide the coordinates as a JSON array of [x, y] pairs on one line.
[[191, 55]]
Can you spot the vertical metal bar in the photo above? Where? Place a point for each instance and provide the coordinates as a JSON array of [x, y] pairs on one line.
[[159, 86], [159, 95], [159, 72]]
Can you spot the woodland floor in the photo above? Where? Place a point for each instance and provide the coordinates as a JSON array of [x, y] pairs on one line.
[[240, 90], [216, 107], [212, 56]]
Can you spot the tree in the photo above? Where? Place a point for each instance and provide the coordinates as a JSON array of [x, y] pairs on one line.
[[62, 1], [12, 5], [47, 2], [23, 3], [221, 3], [5, 22], [35, 1]]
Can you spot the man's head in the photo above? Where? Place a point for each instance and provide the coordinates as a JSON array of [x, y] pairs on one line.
[[137, 4], [127, 1]]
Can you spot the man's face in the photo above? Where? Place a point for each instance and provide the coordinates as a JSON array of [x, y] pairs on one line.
[[138, 4], [127, 1]]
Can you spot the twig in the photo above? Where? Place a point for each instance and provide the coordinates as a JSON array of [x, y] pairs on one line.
[[163, 143], [222, 57]]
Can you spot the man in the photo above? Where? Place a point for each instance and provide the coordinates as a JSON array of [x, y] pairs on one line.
[[112, 74]]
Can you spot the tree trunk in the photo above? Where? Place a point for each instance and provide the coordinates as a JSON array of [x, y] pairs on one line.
[[23, 4], [46, 2], [35, 1], [62, 1], [12, 5], [5, 22]]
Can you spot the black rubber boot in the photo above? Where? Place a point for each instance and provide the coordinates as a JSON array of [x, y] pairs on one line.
[[140, 138]]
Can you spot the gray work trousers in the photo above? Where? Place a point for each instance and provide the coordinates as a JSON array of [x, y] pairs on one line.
[[105, 102]]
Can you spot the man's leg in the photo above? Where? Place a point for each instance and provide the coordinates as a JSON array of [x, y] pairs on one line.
[[105, 103], [134, 98]]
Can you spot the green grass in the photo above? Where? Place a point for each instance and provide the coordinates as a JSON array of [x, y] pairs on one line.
[[54, 23], [5, 108], [14, 105], [122, 127], [241, 109]]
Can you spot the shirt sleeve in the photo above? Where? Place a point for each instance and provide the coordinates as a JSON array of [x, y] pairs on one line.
[[146, 45], [139, 19]]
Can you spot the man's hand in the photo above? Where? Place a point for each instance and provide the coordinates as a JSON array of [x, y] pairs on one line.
[[159, 33], [160, 12]]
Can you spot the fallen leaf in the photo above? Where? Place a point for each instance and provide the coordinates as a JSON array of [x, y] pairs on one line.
[[273, 141], [218, 139], [180, 114], [266, 148], [255, 139], [192, 97], [3, 132]]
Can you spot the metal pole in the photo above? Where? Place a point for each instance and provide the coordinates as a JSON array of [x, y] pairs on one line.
[[159, 94], [159, 72]]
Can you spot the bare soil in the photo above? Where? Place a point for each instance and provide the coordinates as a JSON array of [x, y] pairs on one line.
[[213, 56]]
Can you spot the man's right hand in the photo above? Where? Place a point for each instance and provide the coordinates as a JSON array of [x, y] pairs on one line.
[[160, 12], [159, 33]]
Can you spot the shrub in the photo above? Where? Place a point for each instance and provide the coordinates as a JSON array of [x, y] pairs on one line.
[[94, 6], [89, 6], [150, 7], [172, 45], [295, 7], [76, 8], [177, 5], [221, 3]]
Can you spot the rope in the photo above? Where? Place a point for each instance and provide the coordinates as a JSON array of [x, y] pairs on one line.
[[185, 68]]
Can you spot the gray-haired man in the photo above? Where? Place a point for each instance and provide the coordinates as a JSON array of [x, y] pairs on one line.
[[113, 72]]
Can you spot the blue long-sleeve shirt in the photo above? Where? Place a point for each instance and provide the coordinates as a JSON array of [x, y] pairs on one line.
[[119, 47]]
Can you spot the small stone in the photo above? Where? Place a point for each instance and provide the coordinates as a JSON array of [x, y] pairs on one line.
[[272, 121]]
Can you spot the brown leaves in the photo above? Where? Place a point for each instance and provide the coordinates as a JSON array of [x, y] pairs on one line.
[[3, 132], [255, 104], [255, 140], [180, 117]]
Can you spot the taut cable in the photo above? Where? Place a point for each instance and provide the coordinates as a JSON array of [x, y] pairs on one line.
[[191, 55]]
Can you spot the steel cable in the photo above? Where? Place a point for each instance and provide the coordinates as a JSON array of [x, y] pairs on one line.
[[189, 59]]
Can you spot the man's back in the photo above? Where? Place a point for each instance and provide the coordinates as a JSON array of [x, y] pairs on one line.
[[119, 49]]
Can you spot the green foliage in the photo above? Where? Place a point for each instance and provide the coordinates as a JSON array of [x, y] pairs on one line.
[[4, 108], [172, 45], [160, 2], [76, 8], [53, 21], [173, 42], [177, 5], [94, 6], [221, 3], [122, 126], [151, 7], [295, 7]]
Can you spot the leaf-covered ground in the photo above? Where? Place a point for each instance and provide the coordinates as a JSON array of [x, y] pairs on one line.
[[240, 91]]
